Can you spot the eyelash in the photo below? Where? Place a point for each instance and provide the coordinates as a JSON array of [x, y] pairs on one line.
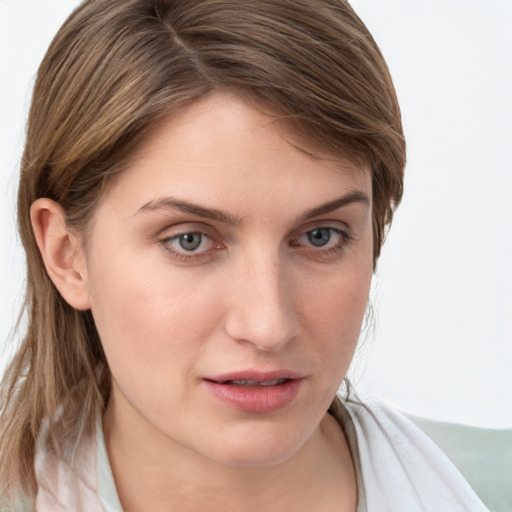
[[344, 239], [339, 247], [166, 243]]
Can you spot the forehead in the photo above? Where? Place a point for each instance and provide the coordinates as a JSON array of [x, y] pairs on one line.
[[225, 149]]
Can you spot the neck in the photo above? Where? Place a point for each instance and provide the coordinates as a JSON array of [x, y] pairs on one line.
[[153, 474]]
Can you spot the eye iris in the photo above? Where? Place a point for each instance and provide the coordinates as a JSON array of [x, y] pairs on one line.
[[319, 237], [190, 241]]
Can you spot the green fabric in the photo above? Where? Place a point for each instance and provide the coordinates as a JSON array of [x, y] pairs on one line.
[[483, 456]]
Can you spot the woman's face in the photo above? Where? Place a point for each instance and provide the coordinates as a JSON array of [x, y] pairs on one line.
[[228, 274]]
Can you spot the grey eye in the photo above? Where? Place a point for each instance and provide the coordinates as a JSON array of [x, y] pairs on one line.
[[319, 237], [190, 241]]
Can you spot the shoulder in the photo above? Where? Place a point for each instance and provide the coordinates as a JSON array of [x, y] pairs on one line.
[[429, 459], [483, 456]]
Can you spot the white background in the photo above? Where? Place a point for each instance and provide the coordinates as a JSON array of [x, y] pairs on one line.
[[442, 345]]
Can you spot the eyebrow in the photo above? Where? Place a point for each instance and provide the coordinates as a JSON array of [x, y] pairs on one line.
[[187, 207], [355, 196]]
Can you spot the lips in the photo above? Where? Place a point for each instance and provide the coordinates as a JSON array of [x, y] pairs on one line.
[[254, 391]]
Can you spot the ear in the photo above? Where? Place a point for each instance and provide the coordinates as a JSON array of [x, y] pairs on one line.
[[61, 252]]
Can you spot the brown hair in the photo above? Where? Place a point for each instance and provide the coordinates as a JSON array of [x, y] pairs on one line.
[[114, 69]]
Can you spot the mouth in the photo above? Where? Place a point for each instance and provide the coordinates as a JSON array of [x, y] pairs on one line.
[[256, 392], [253, 383]]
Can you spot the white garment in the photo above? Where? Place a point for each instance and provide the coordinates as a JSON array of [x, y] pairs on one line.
[[399, 469], [69, 483]]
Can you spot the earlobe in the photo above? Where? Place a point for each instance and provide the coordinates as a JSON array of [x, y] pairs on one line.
[[61, 252]]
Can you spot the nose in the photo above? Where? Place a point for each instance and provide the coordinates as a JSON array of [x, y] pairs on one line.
[[262, 309]]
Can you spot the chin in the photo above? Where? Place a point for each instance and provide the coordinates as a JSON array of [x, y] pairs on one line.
[[258, 448]]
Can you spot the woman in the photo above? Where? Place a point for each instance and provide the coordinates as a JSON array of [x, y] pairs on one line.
[[204, 194]]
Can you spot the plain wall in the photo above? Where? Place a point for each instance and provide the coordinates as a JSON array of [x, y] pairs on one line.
[[442, 343]]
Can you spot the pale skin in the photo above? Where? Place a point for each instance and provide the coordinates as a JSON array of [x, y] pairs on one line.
[[223, 247]]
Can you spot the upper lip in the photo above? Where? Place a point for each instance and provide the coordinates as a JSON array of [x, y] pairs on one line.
[[255, 375]]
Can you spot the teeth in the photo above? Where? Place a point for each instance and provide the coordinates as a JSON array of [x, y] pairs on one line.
[[276, 382], [244, 382]]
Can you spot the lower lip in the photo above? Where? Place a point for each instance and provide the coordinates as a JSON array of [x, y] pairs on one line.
[[256, 398]]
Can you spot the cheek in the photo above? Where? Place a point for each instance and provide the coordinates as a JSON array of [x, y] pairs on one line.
[[154, 330], [335, 315], [148, 319]]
